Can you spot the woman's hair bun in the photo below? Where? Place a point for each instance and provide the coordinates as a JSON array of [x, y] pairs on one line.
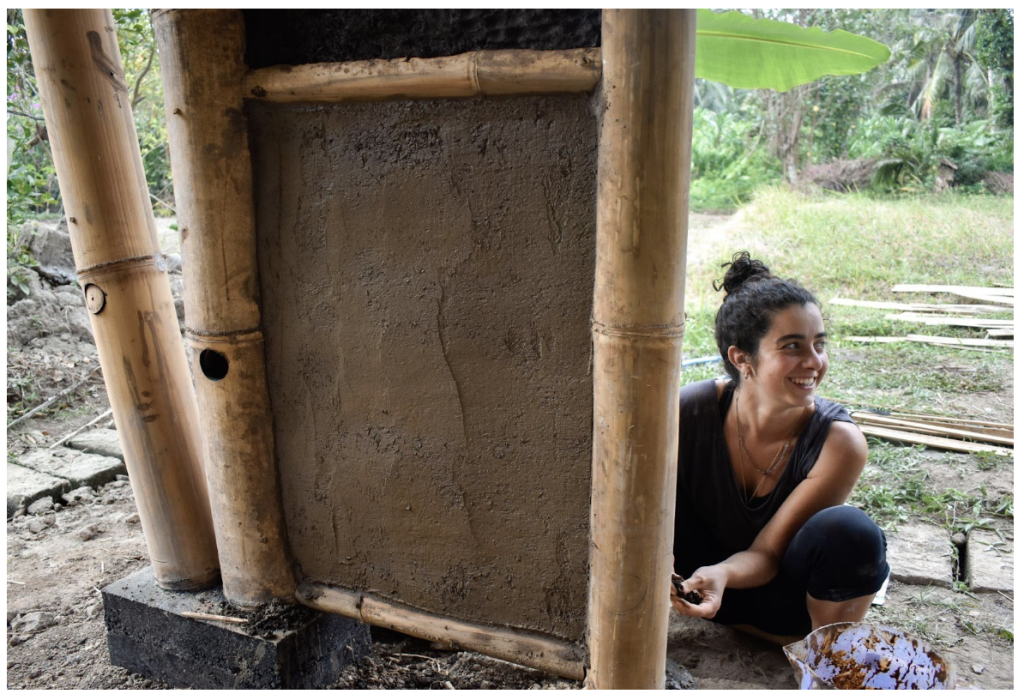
[[741, 270]]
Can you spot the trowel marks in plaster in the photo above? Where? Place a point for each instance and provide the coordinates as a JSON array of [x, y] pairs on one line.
[[427, 282]]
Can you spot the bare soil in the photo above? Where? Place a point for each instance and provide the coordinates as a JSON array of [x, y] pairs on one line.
[[58, 561]]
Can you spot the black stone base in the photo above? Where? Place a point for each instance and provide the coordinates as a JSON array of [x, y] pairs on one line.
[[292, 648]]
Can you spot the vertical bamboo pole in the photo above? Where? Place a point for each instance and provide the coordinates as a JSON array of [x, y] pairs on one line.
[[113, 236], [202, 63], [643, 186]]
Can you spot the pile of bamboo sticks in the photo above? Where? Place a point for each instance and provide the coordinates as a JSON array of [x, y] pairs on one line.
[[942, 432], [997, 300]]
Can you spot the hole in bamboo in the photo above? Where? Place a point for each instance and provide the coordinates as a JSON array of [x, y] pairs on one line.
[[214, 364]]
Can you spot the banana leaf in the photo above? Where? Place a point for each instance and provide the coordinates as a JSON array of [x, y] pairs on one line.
[[744, 52]]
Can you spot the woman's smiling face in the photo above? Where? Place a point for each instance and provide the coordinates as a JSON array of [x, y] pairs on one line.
[[792, 358]]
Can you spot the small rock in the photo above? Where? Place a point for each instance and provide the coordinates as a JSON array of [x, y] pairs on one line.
[[89, 532], [58, 507], [83, 493], [132, 519], [121, 477], [487, 685], [978, 668], [33, 622], [92, 611], [40, 506], [37, 526]]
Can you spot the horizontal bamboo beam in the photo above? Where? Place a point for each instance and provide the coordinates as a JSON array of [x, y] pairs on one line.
[[931, 441], [864, 418], [507, 72], [529, 649]]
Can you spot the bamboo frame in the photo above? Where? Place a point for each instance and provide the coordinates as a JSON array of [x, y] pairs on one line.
[[466, 75], [201, 53], [529, 649], [120, 267], [643, 185]]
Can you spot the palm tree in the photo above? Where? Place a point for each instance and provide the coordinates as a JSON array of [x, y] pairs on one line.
[[939, 61]]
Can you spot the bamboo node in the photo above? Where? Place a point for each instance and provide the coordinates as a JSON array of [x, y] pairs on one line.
[[247, 335], [668, 330], [155, 260]]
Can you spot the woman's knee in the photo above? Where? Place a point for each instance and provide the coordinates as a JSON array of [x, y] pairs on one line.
[[840, 552]]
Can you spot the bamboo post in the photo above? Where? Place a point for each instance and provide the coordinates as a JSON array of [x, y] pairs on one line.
[[642, 198], [127, 291], [201, 55]]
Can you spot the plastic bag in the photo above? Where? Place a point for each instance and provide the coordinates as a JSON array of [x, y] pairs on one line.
[[849, 655]]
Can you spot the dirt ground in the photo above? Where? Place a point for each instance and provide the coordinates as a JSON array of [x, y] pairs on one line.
[[58, 561]]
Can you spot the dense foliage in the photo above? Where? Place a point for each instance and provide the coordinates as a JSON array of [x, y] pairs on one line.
[[944, 100], [946, 94], [32, 189]]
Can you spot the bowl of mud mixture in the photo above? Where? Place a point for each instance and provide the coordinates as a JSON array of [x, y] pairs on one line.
[[848, 655]]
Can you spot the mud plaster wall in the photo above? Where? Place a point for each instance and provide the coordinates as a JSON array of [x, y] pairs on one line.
[[427, 281]]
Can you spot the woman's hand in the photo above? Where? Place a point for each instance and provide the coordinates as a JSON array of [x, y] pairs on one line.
[[709, 582]]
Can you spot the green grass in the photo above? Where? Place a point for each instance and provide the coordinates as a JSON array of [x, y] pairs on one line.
[[895, 486], [859, 246]]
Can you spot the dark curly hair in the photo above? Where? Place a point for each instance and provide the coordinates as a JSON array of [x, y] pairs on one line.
[[753, 295]]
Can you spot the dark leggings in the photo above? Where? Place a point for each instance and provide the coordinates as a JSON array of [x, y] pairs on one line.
[[839, 554]]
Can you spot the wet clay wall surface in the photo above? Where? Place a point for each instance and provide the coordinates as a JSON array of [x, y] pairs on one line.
[[426, 270], [293, 37]]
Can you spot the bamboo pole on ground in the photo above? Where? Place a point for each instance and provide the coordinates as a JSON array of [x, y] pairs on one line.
[[201, 55], [529, 649], [506, 72], [127, 291], [643, 185]]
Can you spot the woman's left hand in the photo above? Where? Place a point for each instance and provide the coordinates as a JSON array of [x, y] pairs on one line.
[[709, 582]]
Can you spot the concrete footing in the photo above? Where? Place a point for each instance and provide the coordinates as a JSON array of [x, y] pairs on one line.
[[278, 647]]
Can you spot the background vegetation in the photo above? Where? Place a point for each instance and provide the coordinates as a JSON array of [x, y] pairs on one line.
[[32, 190], [946, 93]]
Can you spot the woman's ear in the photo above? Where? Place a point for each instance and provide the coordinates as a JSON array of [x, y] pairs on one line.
[[741, 361]]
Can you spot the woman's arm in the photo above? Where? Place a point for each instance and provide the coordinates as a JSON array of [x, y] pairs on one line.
[[829, 483]]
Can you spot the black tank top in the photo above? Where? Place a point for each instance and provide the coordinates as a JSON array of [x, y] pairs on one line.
[[712, 520]]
